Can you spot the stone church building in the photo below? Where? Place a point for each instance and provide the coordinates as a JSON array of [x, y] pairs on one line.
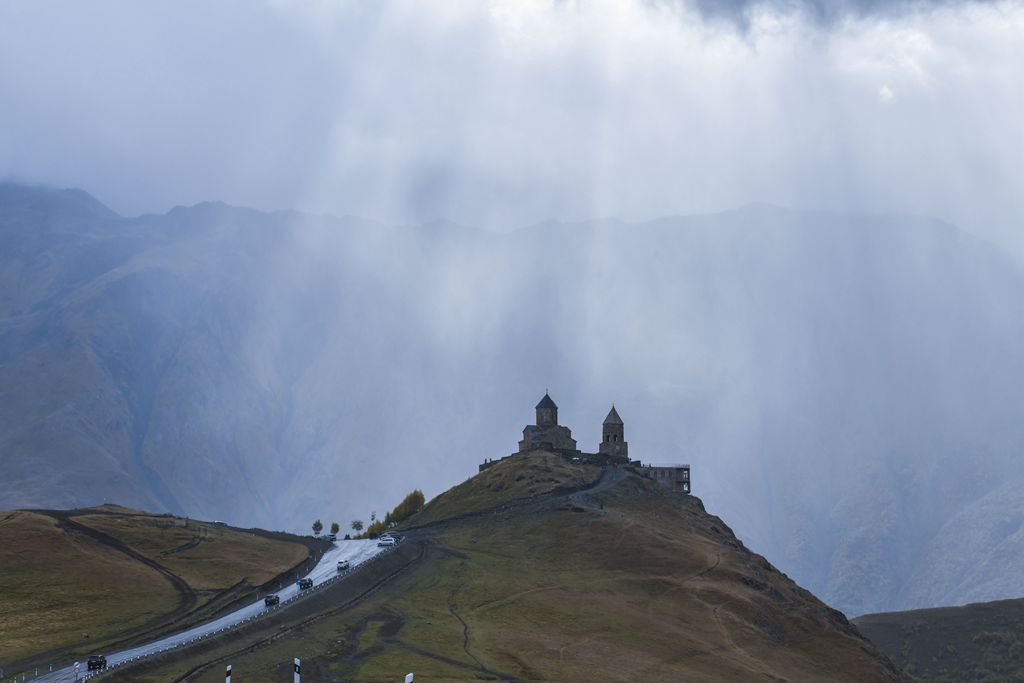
[[549, 436]]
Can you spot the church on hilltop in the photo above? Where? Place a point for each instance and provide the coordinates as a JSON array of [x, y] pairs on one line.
[[547, 434], [550, 437]]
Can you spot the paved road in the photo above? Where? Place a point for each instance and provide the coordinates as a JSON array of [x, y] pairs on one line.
[[609, 478], [356, 552]]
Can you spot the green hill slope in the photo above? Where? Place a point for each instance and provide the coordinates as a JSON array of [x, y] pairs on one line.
[[980, 642], [556, 581], [84, 580]]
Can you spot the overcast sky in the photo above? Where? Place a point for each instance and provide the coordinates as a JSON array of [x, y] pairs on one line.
[[507, 113]]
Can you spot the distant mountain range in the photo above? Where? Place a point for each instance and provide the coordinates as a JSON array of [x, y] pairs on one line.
[[848, 388], [975, 642]]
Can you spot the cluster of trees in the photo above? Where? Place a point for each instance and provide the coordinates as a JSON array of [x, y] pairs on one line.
[[409, 506], [318, 527]]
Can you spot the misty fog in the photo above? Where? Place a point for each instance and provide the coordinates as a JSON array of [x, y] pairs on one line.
[[503, 114], [494, 199]]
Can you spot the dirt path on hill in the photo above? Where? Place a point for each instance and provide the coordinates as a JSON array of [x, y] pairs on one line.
[[270, 630], [188, 545], [187, 611], [610, 477], [187, 598], [186, 595]]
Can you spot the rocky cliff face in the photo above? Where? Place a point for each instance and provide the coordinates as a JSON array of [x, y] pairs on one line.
[[847, 388]]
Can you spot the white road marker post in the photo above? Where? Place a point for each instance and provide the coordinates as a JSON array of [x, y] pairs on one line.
[[298, 671], [227, 676]]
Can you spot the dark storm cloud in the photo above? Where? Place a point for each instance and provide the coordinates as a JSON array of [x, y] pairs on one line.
[[818, 11]]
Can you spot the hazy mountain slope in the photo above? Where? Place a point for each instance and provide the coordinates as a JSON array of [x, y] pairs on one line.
[[976, 642], [844, 386]]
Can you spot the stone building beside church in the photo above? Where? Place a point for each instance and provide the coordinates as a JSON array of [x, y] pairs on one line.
[[549, 436]]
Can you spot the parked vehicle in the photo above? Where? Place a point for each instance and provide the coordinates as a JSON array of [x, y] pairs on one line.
[[271, 600], [344, 565], [96, 663], [332, 537], [385, 542], [305, 584]]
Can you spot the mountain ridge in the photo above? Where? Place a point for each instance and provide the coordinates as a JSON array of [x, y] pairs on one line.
[[824, 375]]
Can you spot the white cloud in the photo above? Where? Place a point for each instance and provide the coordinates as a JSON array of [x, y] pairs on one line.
[[505, 113]]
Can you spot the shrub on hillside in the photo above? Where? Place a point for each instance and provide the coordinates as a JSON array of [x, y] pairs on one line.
[[376, 529], [409, 506]]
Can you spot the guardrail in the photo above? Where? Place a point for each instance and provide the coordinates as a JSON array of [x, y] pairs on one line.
[[330, 581]]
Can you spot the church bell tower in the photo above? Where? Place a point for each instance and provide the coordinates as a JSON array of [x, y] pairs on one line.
[[613, 437], [547, 412]]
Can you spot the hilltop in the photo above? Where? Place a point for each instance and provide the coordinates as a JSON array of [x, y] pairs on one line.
[[79, 581], [981, 642], [541, 570]]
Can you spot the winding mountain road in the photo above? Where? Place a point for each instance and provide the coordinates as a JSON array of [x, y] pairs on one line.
[[356, 552]]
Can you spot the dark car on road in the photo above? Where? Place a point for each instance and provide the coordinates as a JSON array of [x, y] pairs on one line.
[[96, 663], [271, 600], [305, 584]]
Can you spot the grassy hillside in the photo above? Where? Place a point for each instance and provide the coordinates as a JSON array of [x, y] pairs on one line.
[[621, 582], [983, 642], [170, 362], [518, 478], [81, 580]]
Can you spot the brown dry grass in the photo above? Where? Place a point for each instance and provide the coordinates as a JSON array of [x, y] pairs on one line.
[[516, 478], [58, 584], [634, 584], [214, 557]]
